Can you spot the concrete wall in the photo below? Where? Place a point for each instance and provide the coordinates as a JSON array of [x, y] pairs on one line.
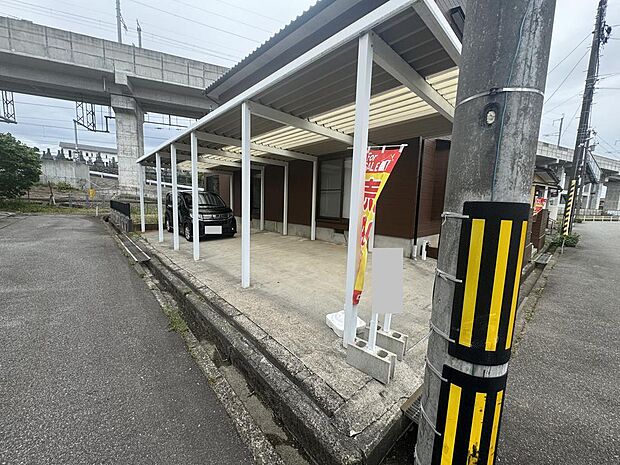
[[55, 171]]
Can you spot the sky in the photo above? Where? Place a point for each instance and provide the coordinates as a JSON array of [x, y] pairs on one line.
[[224, 31]]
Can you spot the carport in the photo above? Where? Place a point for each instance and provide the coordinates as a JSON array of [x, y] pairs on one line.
[[380, 73]]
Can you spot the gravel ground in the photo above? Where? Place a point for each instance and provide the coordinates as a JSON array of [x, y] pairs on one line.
[[563, 402], [89, 372]]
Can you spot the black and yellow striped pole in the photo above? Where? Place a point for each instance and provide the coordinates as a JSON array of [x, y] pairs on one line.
[[567, 220], [484, 232]]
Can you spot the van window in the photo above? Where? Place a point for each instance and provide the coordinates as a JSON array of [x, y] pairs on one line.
[[209, 199]]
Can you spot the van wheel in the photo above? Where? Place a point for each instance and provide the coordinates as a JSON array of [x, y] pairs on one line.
[[168, 224], [187, 231]]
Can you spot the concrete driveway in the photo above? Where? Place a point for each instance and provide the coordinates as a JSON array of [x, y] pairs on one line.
[[563, 394], [89, 372]]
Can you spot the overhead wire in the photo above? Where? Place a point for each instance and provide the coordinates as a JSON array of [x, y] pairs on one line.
[[219, 15], [250, 11], [146, 5], [109, 27], [566, 77], [569, 54]]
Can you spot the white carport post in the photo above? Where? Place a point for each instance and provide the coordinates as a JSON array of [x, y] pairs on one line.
[[160, 214], [175, 197], [195, 201], [315, 165], [230, 195], [285, 206], [142, 215], [246, 133], [358, 171], [262, 199]]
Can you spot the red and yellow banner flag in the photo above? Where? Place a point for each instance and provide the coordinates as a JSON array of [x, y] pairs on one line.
[[379, 164]]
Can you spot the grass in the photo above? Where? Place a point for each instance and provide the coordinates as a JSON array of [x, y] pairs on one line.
[[24, 206], [176, 321]]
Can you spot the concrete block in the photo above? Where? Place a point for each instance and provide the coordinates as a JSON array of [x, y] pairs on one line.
[[380, 364], [392, 341]]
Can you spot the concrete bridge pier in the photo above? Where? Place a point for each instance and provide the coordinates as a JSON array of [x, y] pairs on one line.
[[130, 142], [612, 197]]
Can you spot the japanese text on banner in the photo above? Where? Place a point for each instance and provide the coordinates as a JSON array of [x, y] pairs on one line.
[[379, 164]]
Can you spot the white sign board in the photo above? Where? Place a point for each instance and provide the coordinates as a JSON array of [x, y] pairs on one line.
[[213, 230], [387, 280]]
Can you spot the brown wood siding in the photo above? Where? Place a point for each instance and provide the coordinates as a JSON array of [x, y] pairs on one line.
[[274, 192], [225, 188], [300, 192], [434, 171], [396, 206]]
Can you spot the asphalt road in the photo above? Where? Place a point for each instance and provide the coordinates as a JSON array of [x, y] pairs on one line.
[[563, 393], [89, 372]]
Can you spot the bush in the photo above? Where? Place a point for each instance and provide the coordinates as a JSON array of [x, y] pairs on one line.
[[20, 167], [569, 240], [64, 186]]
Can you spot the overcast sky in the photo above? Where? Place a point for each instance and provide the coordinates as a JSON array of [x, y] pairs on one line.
[[197, 29]]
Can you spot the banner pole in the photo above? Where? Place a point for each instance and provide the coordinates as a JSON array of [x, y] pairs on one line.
[[372, 333], [387, 322]]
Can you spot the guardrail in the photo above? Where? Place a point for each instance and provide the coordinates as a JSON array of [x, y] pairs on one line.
[[121, 207], [599, 218]]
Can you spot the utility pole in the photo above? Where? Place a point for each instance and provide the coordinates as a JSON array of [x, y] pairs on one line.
[[561, 120], [599, 38], [139, 29], [119, 21], [488, 196]]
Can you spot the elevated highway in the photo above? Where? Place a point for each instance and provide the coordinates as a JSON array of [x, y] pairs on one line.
[[56, 63]]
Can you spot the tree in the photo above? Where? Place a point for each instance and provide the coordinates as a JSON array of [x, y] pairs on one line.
[[20, 167]]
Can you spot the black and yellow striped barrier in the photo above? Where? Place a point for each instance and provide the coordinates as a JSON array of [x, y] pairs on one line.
[[468, 419], [488, 275], [568, 209]]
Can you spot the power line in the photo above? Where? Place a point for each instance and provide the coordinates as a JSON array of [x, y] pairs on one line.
[[224, 16], [572, 118], [569, 54], [566, 78], [251, 11], [194, 21], [578, 94], [109, 27]]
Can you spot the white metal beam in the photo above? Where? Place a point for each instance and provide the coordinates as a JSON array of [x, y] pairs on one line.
[[285, 118], [237, 156], [285, 201], [315, 170], [231, 193], [246, 134], [439, 26], [358, 172], [175, 198], [216, 139], [374, 18], [262, 200], [142, 213], [393, 63], [195, 202], [160, 218]]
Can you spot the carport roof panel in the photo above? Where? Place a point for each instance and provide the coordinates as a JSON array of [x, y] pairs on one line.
[[327, 83]]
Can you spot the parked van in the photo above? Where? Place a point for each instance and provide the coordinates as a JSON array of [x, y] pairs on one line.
[[215, 218]]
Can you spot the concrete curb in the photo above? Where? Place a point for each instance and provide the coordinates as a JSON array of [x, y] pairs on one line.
[[310, 424]]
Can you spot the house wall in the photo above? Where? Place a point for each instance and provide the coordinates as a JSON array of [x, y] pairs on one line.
[[396, 206], [396, 209], [434, 172]]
